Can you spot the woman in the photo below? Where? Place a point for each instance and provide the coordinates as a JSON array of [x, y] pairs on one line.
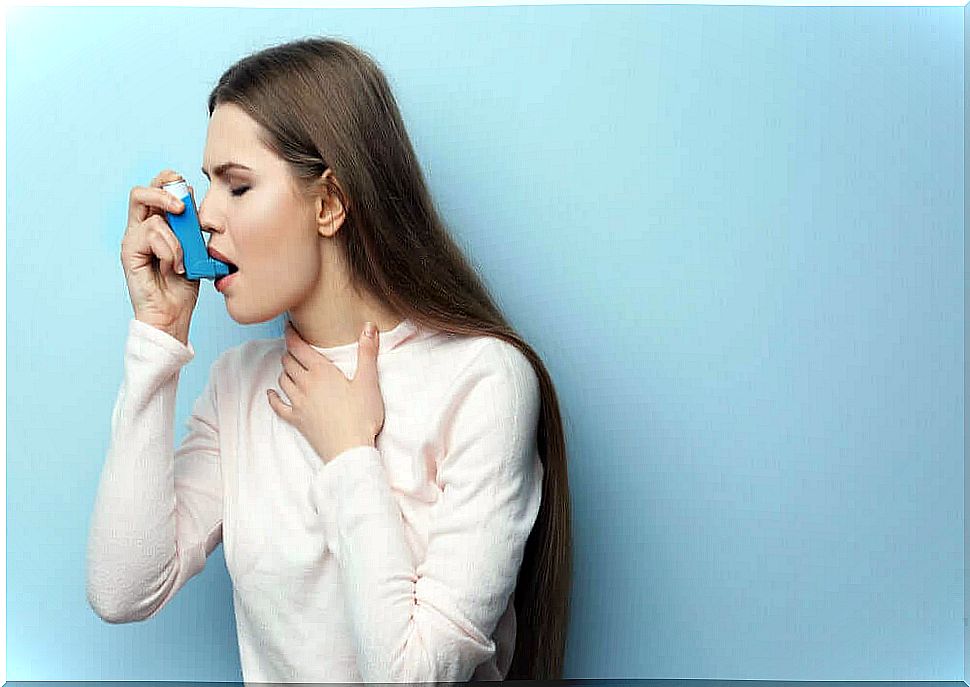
[[394, 508]]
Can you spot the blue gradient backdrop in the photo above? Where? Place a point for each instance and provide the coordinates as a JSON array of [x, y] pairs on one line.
[[735, 235]]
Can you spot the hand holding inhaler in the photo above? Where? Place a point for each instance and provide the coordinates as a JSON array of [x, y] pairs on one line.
[[151, 252], [195, 261]]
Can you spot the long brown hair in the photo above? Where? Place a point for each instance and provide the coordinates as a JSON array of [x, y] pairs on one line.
[[323, 103]]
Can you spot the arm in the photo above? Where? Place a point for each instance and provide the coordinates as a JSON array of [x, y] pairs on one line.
[[432, 620], [156, 519]]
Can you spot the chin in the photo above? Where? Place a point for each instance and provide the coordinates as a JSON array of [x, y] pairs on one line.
[[252, 317]]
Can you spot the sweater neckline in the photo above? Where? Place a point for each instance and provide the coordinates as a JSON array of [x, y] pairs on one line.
[[389, 340]]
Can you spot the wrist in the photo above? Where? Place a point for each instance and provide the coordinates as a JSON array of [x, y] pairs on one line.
[[350, 445], [177, 329], [178, 333]]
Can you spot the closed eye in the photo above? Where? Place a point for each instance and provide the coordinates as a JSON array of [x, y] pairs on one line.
[[239, 191]]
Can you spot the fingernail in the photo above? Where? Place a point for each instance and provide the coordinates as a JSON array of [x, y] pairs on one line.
[[369, 330]]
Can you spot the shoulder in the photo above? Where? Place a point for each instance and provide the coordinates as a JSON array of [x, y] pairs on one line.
[[498, 372], [499, 357], [492, 408]]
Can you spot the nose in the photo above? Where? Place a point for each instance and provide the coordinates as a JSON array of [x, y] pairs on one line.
[[206, 223]]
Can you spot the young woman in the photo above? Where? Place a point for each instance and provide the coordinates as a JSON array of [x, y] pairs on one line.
[[395, 507]]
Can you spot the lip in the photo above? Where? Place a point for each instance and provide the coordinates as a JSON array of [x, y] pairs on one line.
[[222, 282], [213, 253]]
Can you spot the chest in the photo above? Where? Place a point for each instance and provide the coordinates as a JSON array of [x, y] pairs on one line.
[[275, 526]]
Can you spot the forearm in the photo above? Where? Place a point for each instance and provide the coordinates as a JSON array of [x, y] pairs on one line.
[[131, 544], [396, 619]]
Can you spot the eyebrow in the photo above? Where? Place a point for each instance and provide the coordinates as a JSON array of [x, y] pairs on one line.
[[218, 171]]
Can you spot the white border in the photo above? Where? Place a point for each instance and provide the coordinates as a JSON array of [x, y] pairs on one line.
[[13, 7]]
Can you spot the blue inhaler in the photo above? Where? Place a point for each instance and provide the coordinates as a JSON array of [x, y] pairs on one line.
[[196, 258]]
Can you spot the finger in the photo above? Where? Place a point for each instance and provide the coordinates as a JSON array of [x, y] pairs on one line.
[[291, 367], [294, 362], [276, 403], [171, 239], [159, 249], [178, 259], [159, 180], [145, 201], [367, 353], [298, 348], [292, 345], [162, 240], [287, 385], [162, 178], [165, 176]]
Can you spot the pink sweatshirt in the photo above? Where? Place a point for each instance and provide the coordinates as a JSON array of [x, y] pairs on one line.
[[388, 564]]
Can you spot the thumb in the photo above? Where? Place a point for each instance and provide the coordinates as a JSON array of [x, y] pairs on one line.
[[367, 351]]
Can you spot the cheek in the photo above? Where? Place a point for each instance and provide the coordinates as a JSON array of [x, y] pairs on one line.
[[281, 258], [276, 247]]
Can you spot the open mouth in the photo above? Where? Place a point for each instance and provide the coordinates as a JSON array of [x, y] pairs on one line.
[[218, 257]]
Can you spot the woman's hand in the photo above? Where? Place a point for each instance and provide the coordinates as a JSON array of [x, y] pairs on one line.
[[332, 412], [151, 257]]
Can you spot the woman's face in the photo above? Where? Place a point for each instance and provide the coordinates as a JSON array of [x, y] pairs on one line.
[[257, 220]]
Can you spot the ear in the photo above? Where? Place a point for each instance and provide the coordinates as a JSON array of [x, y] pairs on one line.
[[329, 206]]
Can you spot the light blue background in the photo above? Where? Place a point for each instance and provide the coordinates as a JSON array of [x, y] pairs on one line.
[[735, 235]]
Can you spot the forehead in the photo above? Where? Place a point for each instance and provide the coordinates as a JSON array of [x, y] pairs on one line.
[[233, 135]]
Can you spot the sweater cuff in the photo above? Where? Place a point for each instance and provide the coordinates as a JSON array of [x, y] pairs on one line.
[[146, 342], [344, 474], [344, 471]]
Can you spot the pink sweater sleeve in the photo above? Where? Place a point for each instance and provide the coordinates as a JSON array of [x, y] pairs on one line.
[[156, 516], [431, 620]]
